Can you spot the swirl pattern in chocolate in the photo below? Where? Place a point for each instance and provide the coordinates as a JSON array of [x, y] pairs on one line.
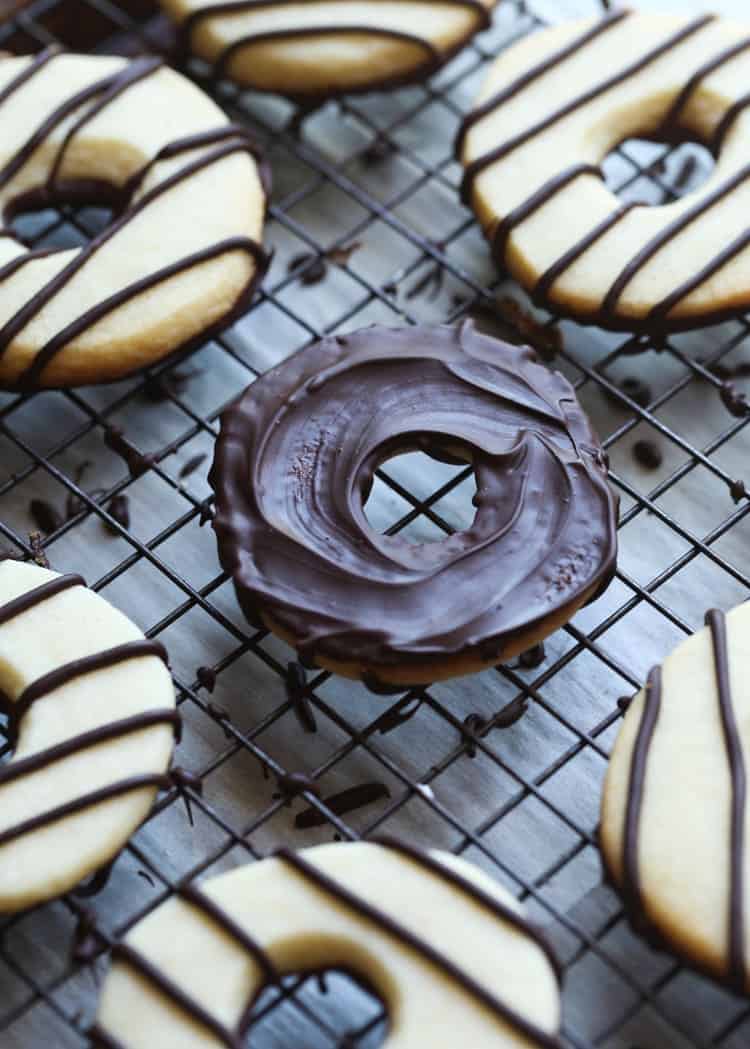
[[295, 462], [624, 76], [40, 172], [316, 21]]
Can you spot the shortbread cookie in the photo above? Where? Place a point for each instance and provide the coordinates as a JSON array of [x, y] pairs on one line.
[[181, 256], [552, 109], [294, 465], [447, 949], [91, 717], [312, 49], [674, 820]]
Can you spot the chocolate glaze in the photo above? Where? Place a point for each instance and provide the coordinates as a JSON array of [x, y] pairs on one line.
[[234, 1039], [228, 139], [659, 317], [48, 683], [300, 448], [630, 884], [432, 61]]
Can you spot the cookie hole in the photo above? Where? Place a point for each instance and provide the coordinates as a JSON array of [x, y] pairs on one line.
[[423, 474], [330, 1010], [656, 173], [67, 224]]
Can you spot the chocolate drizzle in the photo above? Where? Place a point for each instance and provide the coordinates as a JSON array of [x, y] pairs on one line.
[[736, 916], [55, 679], [234, 1038], [228, 140], [631, 879], [296, 457], [658, 317], [434, 58]]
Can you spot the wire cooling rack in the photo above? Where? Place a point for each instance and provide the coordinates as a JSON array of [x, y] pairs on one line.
[[504, 767]]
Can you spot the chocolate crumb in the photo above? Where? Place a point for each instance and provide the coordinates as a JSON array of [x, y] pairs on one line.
[[295, 681], [313, 267], [146, 877], [533, 657], [390, 289], [137, 462], [734, 401], [206, 677], [342, 804], [192, 465], [37, 549], [687, 170], [46, 516], [379, 150], [624, 702], [118, 508], [159, 388], [738, 491], [636, 390], [509, 715], [648, 455], [473, 724], [292, 784], [340, 256]]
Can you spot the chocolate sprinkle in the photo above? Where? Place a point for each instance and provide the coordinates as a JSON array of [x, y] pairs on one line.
[[342, 804], [192, 465], [46, 516], [119, 509], [648, 455], [136, 461]]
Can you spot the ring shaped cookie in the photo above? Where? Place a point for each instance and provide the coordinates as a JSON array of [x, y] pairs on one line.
[[448, 951], [181, 256], [553, 108], [91, 716], [294, 465], [674, 828], [310, 50]]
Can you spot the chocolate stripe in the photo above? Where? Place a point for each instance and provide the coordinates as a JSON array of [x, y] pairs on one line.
[[104, 734], [661, 311], [476, 167], [396, 931], [495, 906], [667, 235], [699, 76], [34, 597], [631, 877], [76, 668], [540, 293], [532, 75], [37, 63], [127, 955], [733, 744], [132, 74], [536, 201], [80, 804], [727, 122]]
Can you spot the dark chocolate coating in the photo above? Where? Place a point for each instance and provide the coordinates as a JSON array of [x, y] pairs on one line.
[[299, 449], [432, 61]]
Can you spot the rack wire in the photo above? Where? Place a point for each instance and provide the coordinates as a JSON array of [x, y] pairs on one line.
[[504, 767]]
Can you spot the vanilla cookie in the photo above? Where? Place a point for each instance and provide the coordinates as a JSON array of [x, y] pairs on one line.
[[181, 255], [674, 829], [91, 717], [446, 948], [554, 106], [313, 49], [294, 465]]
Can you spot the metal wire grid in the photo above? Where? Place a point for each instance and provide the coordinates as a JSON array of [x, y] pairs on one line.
[[51, 1003]]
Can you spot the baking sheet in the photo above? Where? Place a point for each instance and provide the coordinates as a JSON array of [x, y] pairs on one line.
[[525, 805]]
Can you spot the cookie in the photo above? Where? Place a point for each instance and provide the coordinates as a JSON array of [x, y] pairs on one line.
[[554, 106], [446, 948], [181, 255], [294, 465], [674, 814], [310, 50], [91, 718]]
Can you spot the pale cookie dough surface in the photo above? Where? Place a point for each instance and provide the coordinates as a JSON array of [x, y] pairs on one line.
[[380, 44], [556, 115], [222, 201], [300, 927], [683, 867], [67, 626]]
